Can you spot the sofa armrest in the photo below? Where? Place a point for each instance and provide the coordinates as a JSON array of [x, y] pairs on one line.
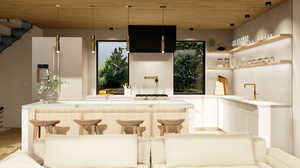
[[143, 166], [280, 159]]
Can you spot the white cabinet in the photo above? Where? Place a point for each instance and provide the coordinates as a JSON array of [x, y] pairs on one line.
[[210, 112], [205, 112], [240, 118]]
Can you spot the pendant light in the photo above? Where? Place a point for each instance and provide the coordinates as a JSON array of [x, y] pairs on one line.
[[163, 7], [57, 43], [128, 22], [93, 37]]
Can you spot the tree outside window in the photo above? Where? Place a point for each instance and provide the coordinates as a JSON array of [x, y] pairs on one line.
[[189, 67], [112, 67]]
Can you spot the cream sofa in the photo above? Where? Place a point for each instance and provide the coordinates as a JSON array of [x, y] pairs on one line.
[[93, 151], [217, 151], [172, 151]]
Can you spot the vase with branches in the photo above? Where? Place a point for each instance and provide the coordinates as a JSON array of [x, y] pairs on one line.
[[48, 87]]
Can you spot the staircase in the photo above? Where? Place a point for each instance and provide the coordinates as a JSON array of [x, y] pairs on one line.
[[12, 30]]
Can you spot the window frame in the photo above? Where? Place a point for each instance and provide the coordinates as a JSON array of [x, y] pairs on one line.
[[97, 62], [204, 68]]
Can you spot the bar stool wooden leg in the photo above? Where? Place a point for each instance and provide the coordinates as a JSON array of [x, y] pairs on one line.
[[90, 126], [38, 124], [100, 129]]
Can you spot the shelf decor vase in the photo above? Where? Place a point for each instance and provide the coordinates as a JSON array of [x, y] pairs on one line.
[[51, 96], [49, 88]]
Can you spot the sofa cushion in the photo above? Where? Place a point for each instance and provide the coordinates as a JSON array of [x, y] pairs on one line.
[[209, 150], [39, 150], [260, 149], [19, 159], [278, 158], [259, 165], [250, 166], [91, 151], [158, 154], [143, 151]]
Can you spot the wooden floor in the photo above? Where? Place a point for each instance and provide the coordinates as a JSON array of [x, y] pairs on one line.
[[10, 141]]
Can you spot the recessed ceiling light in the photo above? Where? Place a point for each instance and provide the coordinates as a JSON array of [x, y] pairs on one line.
[[110, 28], [57, 5], [231, 24], [92, 6], [128, 6], [247, 16], [191, 29], [268, 4]]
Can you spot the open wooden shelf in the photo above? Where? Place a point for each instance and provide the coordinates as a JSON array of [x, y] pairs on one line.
[[265, 64], [251, 66], [262, 42], [219, 68], [218, 52]]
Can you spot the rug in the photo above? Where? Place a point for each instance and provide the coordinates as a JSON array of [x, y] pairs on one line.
[[10, 141]]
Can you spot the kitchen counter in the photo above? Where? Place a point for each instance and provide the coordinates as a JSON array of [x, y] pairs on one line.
[[229, 113], [108, 111], [110, 103], [186, 97], [255, 102]]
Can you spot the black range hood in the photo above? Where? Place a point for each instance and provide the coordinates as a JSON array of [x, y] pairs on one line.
[[147, 39]]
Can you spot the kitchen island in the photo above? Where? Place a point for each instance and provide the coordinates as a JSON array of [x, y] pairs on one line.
[[232, 114], [109, 111]]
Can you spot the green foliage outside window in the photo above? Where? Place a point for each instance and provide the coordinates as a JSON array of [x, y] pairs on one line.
[[113, 73], [189, 73]]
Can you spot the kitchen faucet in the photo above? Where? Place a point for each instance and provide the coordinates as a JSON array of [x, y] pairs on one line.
[[254, 89], [155, 78]]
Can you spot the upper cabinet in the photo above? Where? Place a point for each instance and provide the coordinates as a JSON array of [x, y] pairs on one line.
[[148, 38]]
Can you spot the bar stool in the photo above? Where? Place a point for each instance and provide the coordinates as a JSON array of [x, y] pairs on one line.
[[90, 126], [100, 129], [170, 126], [132, 127], [61, 130], [38, 124]]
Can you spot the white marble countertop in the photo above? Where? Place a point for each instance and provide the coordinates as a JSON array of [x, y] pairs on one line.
[[186, 97], [254, 102], [174, 100], [110, 103]]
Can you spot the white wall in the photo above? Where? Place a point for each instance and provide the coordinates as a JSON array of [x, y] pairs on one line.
[[274, 83], [43, 49], [276, 21], [296, 75], [89, 60], [15, 77], [151, 64]]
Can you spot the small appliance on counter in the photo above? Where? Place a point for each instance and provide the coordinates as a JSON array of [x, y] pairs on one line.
[[151, 96]]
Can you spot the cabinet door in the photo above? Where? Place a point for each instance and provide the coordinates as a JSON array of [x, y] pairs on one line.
[[239, 117], [210, 112], [147, 39]]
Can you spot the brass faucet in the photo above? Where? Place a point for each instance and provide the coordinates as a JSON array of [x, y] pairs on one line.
[[153, 77], [254, 89]]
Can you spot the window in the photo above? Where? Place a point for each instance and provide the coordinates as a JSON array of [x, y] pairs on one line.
[[112, 67], [189, 67]]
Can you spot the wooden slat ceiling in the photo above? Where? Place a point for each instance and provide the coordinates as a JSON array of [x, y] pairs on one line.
[[199, 14]]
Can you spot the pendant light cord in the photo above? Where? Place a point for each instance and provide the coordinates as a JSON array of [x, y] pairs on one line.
[[93, 22], [128, 22]]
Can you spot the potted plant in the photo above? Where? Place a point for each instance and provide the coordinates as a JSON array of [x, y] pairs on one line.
[[48, 87]]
